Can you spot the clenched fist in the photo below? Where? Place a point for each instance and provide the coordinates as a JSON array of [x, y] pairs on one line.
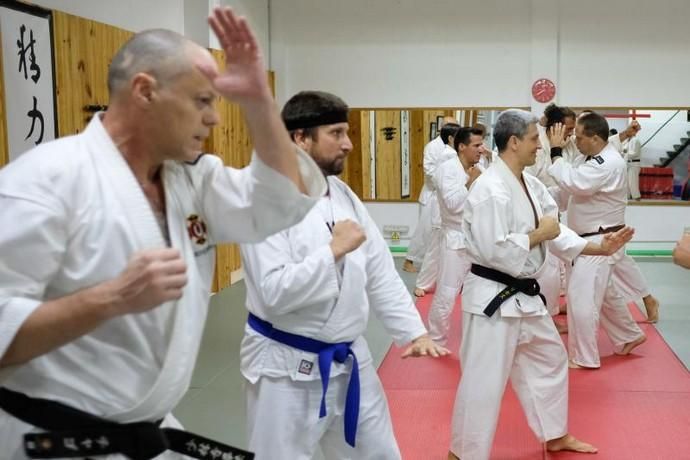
[[152, 277], [347, 236]]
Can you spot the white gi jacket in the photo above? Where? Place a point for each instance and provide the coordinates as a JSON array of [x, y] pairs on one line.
[[294, 283], [446, 153], [430, 160], [451, 190], [78, 214], [497, 218], [597, 189]]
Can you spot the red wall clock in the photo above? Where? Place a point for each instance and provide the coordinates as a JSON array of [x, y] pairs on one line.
[[543, 90]]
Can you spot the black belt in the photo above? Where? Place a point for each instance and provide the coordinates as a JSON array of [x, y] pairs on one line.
[[74, 433], [633, 161], [528, 286], [603, 230]]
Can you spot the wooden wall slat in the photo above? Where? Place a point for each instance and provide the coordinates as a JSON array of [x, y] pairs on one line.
[[388, 177], [365, 117], [83, 51]]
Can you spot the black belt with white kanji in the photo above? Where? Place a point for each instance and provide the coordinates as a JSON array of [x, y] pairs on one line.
[[528, 286], [73, 433]]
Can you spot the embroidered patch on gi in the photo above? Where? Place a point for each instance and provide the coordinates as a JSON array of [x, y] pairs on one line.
[[598, 159], [305, 367], [196, 229]]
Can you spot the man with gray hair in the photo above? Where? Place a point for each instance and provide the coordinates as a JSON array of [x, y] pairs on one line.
[[105, 273], [510, 224]]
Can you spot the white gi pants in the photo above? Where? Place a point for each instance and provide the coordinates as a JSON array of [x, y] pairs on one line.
[[428, 273], [419, 242], [550, 283], [283, 419], [634, 180], [453, 268], [527, 350], [592, 297], [629, 280]]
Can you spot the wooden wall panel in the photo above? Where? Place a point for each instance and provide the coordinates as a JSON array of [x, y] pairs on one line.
[[83, 51], [388, 178]]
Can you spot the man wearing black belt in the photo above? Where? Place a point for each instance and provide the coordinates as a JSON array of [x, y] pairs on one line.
[[510, 225], [106, 271], [596, 207]]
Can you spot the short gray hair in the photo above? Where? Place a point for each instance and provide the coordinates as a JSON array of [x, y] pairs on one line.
[[161, 53], [512, 122]]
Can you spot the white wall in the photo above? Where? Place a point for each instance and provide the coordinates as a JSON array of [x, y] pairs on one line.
[[187, 17], [392, 53], [131, 15], [656, 227], [408, 53]]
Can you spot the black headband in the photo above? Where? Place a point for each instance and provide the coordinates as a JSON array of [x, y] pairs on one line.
[[311, 120]]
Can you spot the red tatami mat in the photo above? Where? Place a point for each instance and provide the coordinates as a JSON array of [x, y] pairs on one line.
[[633, 408]]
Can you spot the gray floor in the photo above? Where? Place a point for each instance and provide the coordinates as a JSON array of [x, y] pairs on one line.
[[214, 405]]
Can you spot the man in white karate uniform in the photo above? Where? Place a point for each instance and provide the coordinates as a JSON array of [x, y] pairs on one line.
[[310, 289], [596, 207], [632, 152], [626, 275], [106, 269], [509, 225], [452, 180], [428, 272], [421, 240], [487, 154]]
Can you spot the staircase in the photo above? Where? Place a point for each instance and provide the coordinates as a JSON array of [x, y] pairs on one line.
[[672, 154]]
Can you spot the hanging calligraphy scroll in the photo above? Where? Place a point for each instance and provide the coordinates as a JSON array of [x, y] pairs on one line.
[[27, 64]]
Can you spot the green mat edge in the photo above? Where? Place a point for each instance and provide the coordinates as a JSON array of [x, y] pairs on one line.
[[630, 252]]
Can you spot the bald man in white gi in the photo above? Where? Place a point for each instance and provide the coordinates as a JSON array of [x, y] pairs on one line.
[[509, 225], [596, 207], [453, 179], [310, 289], [107, 267]]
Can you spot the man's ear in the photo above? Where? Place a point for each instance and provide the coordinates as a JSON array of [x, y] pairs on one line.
[[143, 88], [302, 140]]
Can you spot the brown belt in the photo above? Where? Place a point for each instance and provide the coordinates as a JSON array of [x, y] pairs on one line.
[[603, 230]]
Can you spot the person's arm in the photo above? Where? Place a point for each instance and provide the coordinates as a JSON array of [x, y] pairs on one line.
[[244, 82], [32, 251], [449, 187], [285, 284], [681, 253], [632, 130]]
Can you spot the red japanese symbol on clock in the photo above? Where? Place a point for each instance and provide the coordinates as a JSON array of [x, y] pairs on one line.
[[543, 90]]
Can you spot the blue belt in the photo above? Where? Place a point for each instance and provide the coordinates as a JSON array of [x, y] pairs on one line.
[[328, 352]]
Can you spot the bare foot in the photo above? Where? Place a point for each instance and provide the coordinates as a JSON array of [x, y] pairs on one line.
[[573, 365], [419, 292], [408, 266], [630, 346], [562, 328], [452, 456], [569, 442], [652, 307]]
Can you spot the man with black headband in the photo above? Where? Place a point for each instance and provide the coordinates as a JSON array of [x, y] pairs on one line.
[[310, 378]]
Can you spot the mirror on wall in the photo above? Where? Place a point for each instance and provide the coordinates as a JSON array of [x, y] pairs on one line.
[[386, 161]]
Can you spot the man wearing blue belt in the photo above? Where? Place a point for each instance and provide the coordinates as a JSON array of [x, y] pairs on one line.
[[310, 289]]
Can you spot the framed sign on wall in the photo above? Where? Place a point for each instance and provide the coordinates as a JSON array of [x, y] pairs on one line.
[[28, 76]]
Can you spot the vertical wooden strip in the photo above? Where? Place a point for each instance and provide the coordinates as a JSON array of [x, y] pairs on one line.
[[388, 154], [372, 154], [404, 154], [353, 165], [417, 143], [365, 136]]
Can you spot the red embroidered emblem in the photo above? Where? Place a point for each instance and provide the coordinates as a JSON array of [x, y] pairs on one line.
[[196, 229]]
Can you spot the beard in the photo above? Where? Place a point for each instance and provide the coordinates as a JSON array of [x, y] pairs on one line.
[[331, 168]]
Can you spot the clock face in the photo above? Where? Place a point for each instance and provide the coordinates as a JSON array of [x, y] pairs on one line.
[[543, 90]]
